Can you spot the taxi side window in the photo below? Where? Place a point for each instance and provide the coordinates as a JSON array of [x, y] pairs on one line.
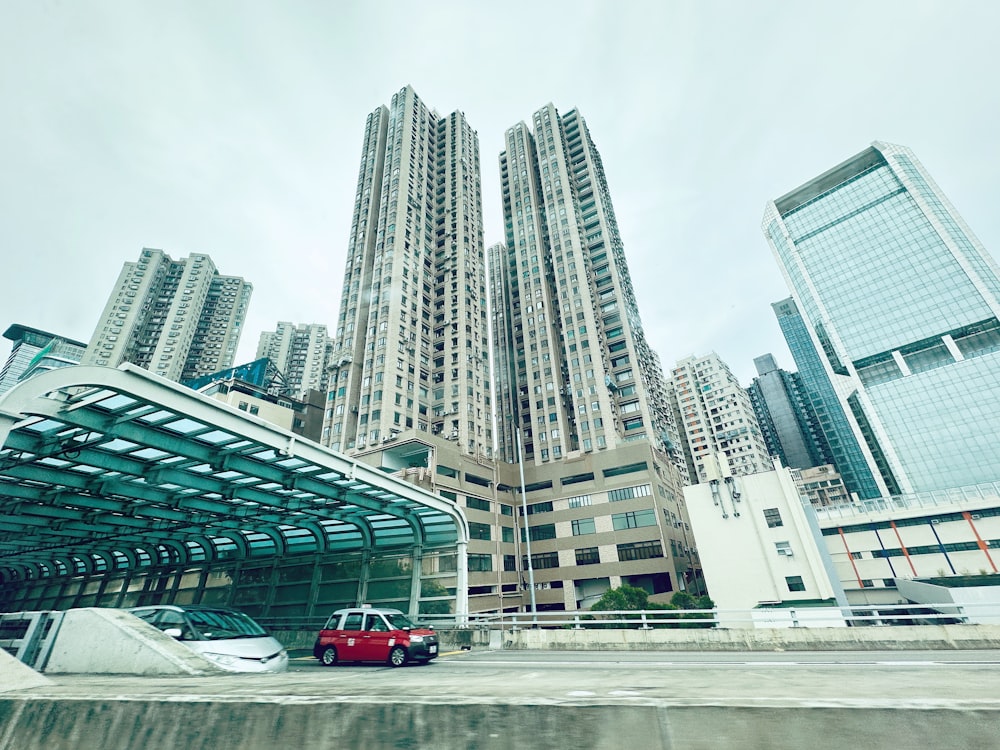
[[376, 623], [352, 621]]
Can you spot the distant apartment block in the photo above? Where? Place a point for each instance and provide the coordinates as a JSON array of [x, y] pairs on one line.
[[717, 418], [581, 396], [302, 353], [179, 319], [823, 486]]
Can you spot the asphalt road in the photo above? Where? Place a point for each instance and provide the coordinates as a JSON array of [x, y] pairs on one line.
[[919, 679], [892, 678]]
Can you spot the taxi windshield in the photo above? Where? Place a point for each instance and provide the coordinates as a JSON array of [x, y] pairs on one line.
[[399, 621]]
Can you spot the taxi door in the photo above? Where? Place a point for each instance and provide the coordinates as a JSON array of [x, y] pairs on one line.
[[375, 638], [348, 641]]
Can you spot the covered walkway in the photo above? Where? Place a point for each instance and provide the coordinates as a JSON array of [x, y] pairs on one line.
[[107, 472]]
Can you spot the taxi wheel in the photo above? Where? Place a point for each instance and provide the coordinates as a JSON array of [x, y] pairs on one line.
[[329, 657], [397, 657]]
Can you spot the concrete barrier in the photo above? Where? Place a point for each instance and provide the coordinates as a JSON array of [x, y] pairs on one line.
[[35, 724], [111, 641], [16, 676], [901, 638]]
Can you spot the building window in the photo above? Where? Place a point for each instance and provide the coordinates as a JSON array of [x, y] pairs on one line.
[[479, 530], [773, 518], [583, 526], [639, 551], [795, 583], [541, 532], [543, 507], [588, 556], [509, 562], [633, 519], [542, 560], [477, 502], [629, 493], [480, 563], [783, 548]]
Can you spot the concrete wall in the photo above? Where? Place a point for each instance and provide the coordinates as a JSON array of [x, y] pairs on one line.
[[16, 676], [763, 639], [111, 641], [51, 724]]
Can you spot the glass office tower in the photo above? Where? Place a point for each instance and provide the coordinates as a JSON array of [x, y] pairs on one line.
[[902, 300]]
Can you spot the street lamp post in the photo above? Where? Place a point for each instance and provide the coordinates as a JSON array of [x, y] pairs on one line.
[[524, 512]]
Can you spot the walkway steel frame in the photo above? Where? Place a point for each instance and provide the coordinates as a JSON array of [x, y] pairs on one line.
[[104, 469]]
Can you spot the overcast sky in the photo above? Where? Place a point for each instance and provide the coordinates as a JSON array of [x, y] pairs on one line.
[[234, 128]]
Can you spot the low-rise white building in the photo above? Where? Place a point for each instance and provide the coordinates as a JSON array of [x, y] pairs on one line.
[[764, 548], [758, 548]]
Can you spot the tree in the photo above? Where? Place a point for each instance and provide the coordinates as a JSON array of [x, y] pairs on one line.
[[684, 600], [627, 598], [623, 598]]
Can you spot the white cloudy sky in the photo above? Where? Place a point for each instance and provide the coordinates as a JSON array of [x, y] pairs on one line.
[[233, 127]]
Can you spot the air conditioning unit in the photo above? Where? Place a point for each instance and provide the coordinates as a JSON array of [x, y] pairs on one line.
[[935, 521], [975, 516]]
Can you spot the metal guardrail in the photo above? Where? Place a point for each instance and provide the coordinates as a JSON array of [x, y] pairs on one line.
[[784, 616], [29, 636]]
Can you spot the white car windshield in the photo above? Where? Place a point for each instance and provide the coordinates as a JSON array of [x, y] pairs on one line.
[[217, 624]]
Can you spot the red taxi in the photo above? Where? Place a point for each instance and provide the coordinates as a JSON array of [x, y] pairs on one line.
[[370, 634]]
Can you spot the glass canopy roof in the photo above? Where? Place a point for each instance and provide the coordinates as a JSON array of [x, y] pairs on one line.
[[104, 468]]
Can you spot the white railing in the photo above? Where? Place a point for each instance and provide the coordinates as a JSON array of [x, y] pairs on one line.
[[29, 636], [784, 616]]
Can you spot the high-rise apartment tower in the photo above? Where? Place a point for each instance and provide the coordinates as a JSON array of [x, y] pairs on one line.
[[597, 501], [566, 323], [582, 401], [179, 319], [903, 301], [410, 347]]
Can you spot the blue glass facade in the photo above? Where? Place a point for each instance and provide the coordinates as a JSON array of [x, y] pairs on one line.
[[902, 300], [843, 444]]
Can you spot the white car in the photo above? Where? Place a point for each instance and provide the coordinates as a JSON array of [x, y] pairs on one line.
[[229, 639]]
